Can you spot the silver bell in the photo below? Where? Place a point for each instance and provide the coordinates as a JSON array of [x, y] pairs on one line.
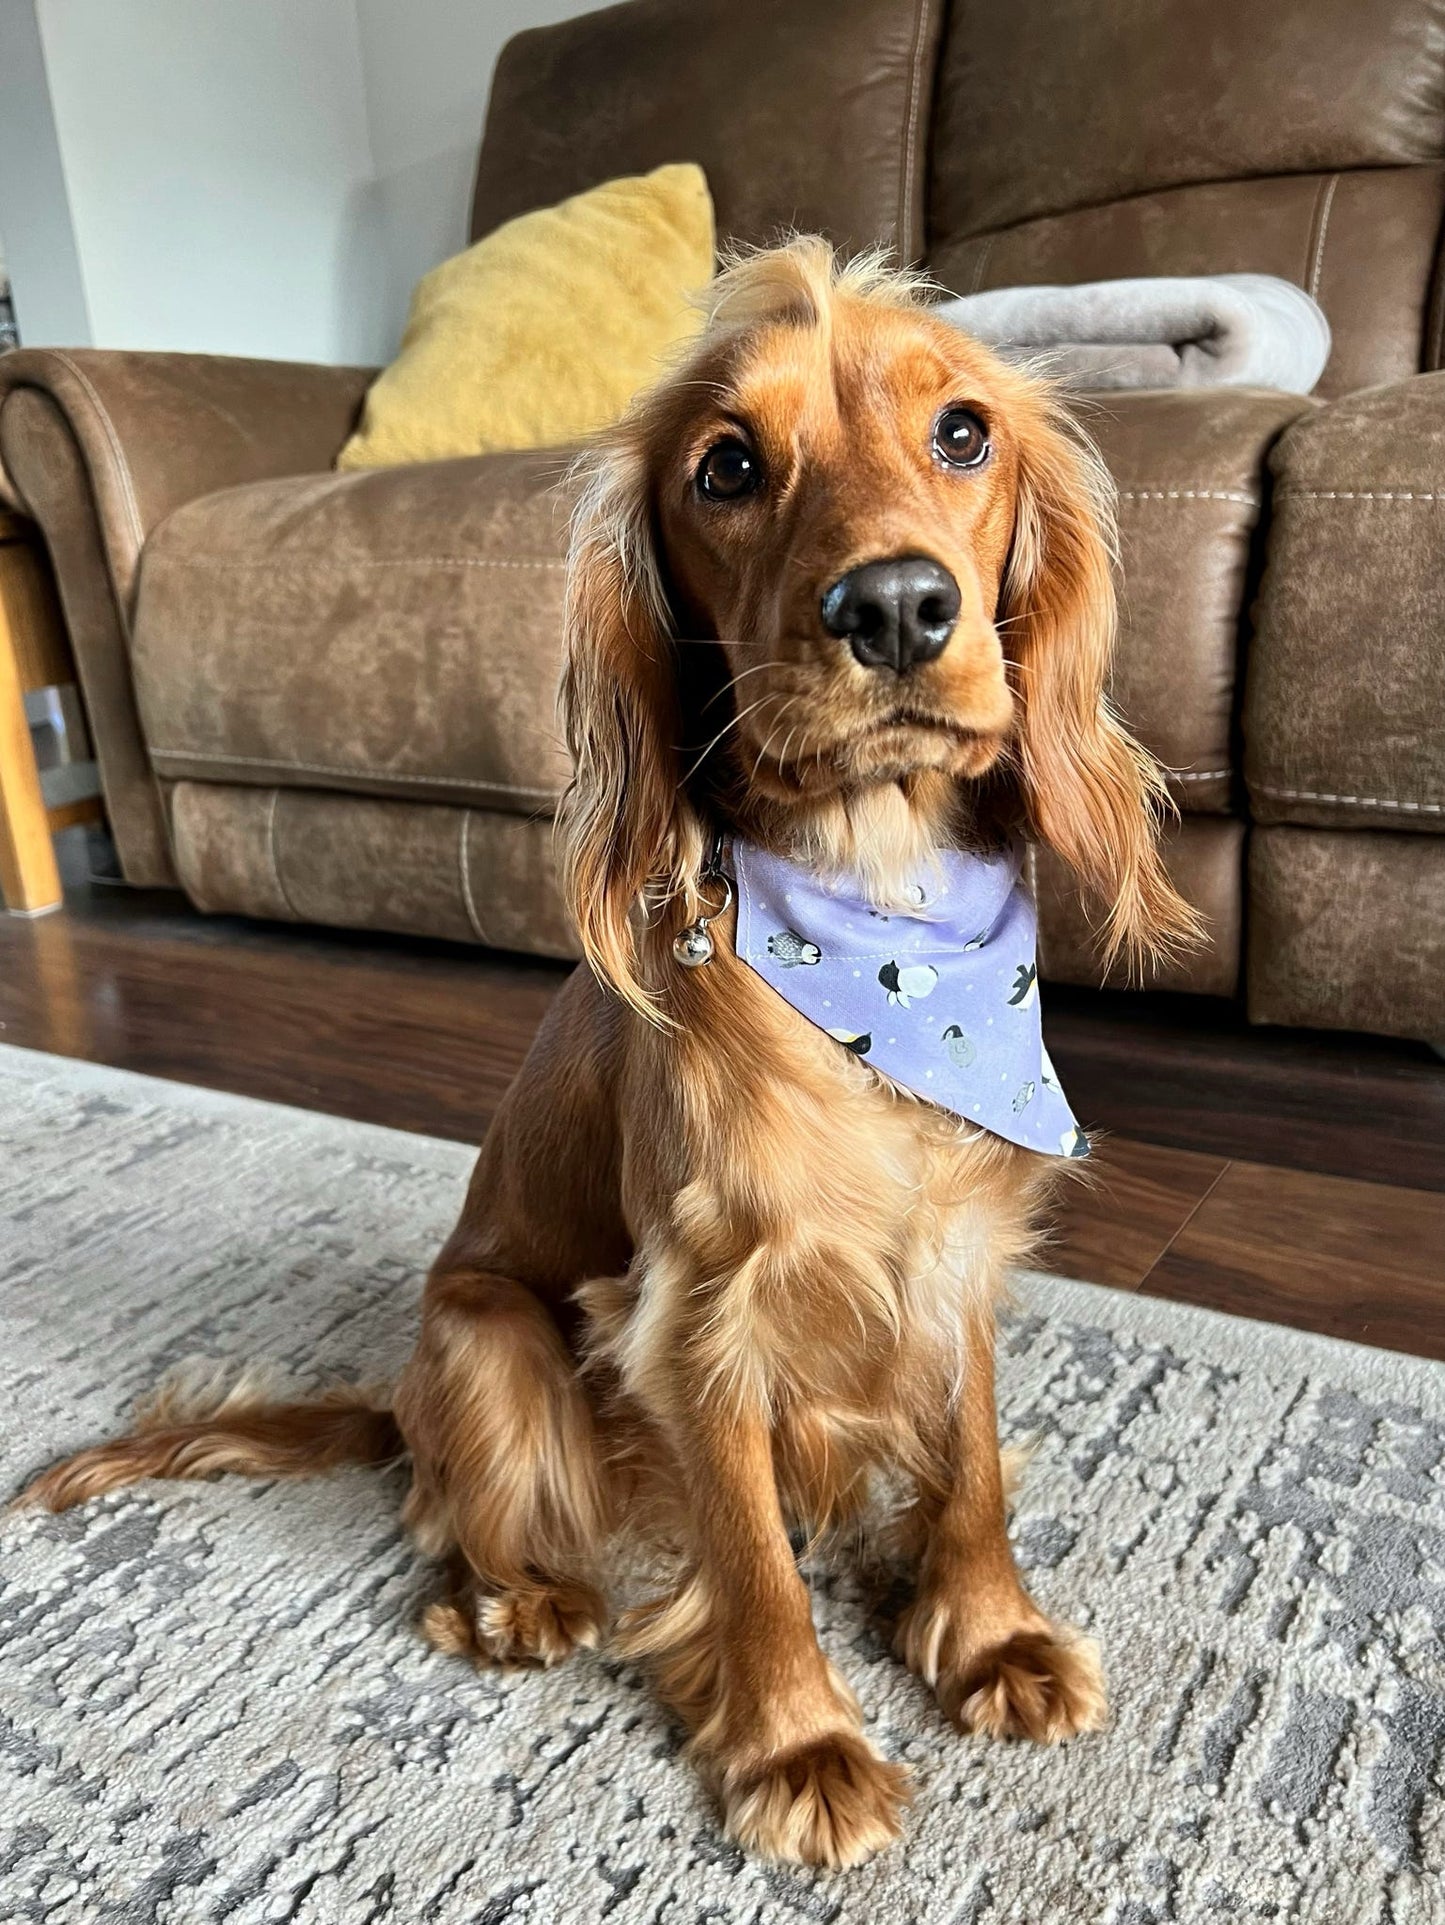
[[693, 946]]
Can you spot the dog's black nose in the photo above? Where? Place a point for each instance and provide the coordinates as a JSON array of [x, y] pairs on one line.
[[894, 613]]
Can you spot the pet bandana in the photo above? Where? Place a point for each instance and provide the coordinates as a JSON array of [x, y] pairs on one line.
[[944, 997]]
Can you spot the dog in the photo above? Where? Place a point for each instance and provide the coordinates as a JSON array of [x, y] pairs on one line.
[[840, 588]]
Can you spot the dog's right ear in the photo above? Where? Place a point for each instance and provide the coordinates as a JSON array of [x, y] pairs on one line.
[[629, 840]]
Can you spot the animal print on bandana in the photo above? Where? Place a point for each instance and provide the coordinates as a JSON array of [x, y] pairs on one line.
[[941, 996]]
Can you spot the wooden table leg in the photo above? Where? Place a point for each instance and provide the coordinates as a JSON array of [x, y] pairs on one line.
[[29, 878]]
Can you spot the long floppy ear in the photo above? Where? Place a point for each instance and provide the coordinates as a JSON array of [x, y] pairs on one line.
[[1091, 792], [629, 839]]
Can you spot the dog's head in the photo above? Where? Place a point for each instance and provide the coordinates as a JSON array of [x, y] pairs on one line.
[[844, 580]]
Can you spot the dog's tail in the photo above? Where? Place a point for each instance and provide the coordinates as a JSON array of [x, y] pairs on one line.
[[198, 1426]]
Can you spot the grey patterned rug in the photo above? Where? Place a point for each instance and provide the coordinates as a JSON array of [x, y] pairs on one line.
[[212, 1707]]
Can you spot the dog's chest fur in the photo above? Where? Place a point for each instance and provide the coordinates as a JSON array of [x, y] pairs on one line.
[[810, 1241]]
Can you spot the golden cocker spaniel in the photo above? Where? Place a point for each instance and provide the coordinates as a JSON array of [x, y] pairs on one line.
[[841, 588]]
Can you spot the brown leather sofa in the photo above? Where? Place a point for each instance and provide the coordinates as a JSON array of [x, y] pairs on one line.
[[329, 697]]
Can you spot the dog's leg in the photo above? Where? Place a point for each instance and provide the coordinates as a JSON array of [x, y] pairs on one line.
[[507, 1481], [973, 1632], [735, 1653]]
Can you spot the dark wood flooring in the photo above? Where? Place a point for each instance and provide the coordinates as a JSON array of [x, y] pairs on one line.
[[1277, 1174]]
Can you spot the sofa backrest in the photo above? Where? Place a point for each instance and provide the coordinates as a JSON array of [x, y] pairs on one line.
[[1083, 139], [1013, 141], [808, 114]]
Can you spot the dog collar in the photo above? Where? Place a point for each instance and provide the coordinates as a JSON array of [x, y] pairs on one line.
[[942, 996]]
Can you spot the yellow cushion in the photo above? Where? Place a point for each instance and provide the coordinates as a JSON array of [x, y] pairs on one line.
[[543, 331]]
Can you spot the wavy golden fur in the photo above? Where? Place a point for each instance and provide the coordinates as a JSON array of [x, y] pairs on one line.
[[707, 1294]]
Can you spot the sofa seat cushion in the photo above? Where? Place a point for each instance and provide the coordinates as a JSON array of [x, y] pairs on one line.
[[398, 632], [1191, 469], [395, 632], [1345, 716]]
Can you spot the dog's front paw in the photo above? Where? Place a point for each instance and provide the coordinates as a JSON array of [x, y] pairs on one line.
[[1046, 1685], [1041, 1681], [540, 1626], [832, 1802]]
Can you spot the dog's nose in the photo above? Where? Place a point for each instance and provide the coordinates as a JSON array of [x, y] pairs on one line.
[[894, 613]]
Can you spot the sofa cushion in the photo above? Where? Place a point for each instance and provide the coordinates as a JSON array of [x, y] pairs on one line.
[[395, 632], [1191, 469], [399, 632], [1345, 713], [1043, 108], [811, 115]]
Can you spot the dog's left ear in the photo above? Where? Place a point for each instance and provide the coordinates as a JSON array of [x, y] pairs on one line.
[[1091, 792], [628, 836]]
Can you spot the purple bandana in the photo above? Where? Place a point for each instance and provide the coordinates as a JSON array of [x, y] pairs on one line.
[[943, 998]]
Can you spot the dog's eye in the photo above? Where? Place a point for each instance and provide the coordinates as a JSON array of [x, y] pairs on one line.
[[728, 471], [961, 439]]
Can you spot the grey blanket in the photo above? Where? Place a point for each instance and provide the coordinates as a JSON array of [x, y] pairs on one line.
[[1220, 330]]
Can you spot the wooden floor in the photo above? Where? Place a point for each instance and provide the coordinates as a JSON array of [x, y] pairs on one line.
[[1277, 1174]]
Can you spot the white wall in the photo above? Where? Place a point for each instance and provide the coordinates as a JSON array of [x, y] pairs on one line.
[[34, 208], [264, 177], [218, 166], [428, 67]]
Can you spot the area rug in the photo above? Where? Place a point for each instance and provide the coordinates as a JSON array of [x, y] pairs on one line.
[[213, 1706]]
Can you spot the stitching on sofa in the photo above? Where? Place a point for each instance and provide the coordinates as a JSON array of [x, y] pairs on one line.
[[1317, 264], [327, 768], [1360, 494], [981, 262], [910, 139], [1356, 801], [1187, 494], [361, 561], [464, 865], [281, 888], [137, 527], [455, 782]]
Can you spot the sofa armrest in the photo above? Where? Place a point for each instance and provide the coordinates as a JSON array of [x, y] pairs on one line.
[[1344, 721], [1344, 714], [157, 430], [99, 448], [1191, 467]]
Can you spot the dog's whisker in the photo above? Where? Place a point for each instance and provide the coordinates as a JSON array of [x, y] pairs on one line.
[[777, 724], [715, 641], [758, 668], [731, 723], [782, 756]]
